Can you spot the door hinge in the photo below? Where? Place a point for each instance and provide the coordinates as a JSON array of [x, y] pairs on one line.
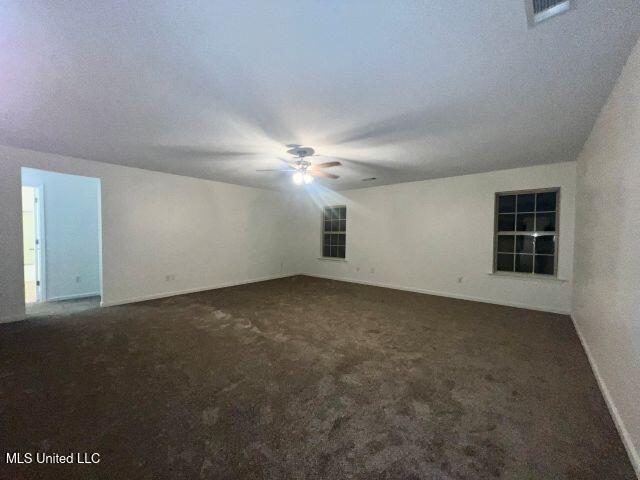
[[37, 283], [37, 242]]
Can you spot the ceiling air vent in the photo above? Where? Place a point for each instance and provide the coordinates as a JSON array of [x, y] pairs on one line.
[[541, 10]]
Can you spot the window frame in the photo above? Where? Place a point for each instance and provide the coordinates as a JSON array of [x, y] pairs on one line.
[[534, 233], [323, 232]]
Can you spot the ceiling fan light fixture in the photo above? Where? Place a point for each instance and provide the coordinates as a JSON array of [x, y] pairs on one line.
[[303, 170], [298, 178]]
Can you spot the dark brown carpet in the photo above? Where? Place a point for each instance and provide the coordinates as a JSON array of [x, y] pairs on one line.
[[303, 378]]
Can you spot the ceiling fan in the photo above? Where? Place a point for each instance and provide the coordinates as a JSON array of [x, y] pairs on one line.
[[303, 170]]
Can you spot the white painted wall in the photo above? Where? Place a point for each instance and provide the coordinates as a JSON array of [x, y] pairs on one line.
[[207, 234], [72, 233], [606, 308], [424, 236]]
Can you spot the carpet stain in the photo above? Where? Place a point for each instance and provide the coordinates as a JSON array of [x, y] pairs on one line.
[[210, 416]]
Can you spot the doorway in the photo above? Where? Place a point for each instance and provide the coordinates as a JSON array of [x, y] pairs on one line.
[[62, 244], [32, 239]]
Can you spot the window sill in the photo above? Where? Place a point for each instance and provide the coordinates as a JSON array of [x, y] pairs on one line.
[[528, 277], [329, 259]]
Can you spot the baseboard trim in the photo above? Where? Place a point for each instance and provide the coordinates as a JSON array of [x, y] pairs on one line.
[[155, 296], [632, 451], [442, 294], [13, 318], [75, 296]]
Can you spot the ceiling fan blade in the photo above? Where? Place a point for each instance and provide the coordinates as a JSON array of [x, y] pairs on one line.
[[326, 165], [320, 173], [277, 170]]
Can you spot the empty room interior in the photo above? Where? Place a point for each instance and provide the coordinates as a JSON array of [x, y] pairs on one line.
[[320, 239]]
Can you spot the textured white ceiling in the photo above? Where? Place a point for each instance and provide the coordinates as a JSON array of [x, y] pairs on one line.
[[397, 90]]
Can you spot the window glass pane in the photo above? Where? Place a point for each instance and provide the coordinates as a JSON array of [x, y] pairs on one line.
[[525, 222], [545, 244], [505, 243], [334, 221], [544, 264], [546, 202], [524, 244], [506, 222], [527, 213], [524, 263], [527, 202], [546, 222], [506, 203], [504, 263]]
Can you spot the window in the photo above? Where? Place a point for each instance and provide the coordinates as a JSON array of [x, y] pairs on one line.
[[526, 232], [334, 231]]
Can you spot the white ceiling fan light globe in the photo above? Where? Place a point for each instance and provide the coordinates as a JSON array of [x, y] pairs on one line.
[[307, 178], [298, 178]]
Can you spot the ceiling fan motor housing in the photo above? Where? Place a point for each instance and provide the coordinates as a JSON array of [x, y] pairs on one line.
[[301, 151]]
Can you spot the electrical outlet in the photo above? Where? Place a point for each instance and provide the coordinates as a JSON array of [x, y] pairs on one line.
[[373, 270], [78, 279], [460, 279], [171, 277]]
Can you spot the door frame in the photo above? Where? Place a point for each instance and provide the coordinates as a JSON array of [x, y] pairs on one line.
[[40, 245], [40, 250]]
